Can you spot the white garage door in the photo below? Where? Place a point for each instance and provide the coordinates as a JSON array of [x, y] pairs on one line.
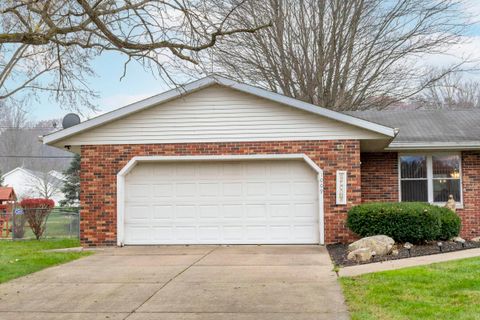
[[249, 202]]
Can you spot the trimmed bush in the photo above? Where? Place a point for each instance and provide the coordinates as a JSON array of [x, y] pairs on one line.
[[407, 221], [36, 212], [450, 224]]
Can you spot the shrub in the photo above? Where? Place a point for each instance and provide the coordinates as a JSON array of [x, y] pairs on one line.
[[450, 223], [408, 221], [18, 225], [36, 212]]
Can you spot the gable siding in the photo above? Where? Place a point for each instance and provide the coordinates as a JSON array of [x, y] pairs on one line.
[[218, 114]]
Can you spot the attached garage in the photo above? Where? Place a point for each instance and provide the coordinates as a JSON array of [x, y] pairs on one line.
[[232, 201], [219, 162]]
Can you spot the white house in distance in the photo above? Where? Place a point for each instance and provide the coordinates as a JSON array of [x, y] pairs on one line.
[[34, 184]]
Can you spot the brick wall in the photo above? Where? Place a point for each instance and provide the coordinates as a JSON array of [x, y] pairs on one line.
[[380, 183], [101, 163], [470, 213], [379, 176]]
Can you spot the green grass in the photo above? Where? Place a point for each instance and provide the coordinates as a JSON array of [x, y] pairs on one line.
[[59, 225], [449, 290], [19, 258]]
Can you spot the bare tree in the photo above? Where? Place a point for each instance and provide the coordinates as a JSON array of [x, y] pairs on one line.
[[19, 145], [46, 185], [46, 45], [342, 55], [451, 92], [14, 136]]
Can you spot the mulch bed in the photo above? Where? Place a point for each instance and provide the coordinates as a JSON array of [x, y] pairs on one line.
[[338, 252]]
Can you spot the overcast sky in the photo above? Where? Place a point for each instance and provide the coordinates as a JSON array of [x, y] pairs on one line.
[[139, 84]]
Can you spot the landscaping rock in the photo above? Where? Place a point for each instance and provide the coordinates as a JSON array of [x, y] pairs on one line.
[[394, 252], [458, 240], [476, 239], [360, 255], [382, 245], [408, 245]]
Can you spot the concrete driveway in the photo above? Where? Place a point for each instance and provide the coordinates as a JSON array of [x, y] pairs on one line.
[[182, 282]]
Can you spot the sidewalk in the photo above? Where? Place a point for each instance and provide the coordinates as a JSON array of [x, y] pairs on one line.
[[409, 262]]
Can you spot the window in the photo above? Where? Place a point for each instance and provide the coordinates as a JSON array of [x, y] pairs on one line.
[[430, 177]]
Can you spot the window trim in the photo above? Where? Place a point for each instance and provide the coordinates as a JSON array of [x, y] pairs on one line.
[[430, 178]]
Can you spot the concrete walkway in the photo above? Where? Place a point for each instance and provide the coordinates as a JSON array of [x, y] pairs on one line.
[[409, 262], [182, 282]]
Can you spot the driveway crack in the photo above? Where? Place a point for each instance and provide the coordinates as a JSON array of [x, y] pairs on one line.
[[169, 281]]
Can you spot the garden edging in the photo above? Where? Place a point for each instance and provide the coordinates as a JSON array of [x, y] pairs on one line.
[[408, 262]]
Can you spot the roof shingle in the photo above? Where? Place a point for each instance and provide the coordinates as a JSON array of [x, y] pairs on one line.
[[428, 126]]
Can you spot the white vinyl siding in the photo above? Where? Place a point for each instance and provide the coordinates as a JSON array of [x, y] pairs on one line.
[[218, 114]]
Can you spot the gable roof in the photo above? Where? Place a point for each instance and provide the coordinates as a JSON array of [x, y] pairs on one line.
[[429, 129], [209, 81], [7, 194]]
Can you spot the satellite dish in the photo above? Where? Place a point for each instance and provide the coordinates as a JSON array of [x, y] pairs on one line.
[[70, 120]]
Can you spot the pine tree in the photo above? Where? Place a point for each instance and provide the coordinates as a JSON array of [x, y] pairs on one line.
[[71, 188], [1, 178]]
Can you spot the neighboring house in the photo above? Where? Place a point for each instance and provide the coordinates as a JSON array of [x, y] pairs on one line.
[[221, 162], [34, 184]]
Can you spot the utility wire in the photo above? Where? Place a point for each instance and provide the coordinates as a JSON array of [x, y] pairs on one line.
[[16, 128], [39, 157]]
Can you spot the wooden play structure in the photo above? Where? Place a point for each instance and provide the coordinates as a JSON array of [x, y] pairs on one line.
[[7, 204]]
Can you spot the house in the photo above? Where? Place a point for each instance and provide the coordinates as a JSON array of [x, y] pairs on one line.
[[221, 162], [7, 204], [35, 184]]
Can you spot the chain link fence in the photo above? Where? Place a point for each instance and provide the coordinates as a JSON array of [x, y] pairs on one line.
[[62, 222]]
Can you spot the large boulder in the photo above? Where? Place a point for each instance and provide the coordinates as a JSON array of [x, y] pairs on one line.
[[381, 245], [360, 255]]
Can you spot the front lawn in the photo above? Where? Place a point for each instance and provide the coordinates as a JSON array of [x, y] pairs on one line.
[[449, 290], [18, 258]]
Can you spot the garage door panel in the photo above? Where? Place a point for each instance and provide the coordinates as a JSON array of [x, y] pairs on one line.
[[233, 233], [209, 211], [278, 232], [280, 188], [163, 234], [163, 212], [140, 213], [280, 210], [256, 211], [210, 189], [232, 170], [163, 190], [301, 232], [233, 189], [209, 233], [185, 189], [303, 210], [233, 211], [256, 170], [222, 202], [137, 234], [137, 192], [256, 232], [186, 234], [185, 212], [304, 188], [256, 189], [184, 170]]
